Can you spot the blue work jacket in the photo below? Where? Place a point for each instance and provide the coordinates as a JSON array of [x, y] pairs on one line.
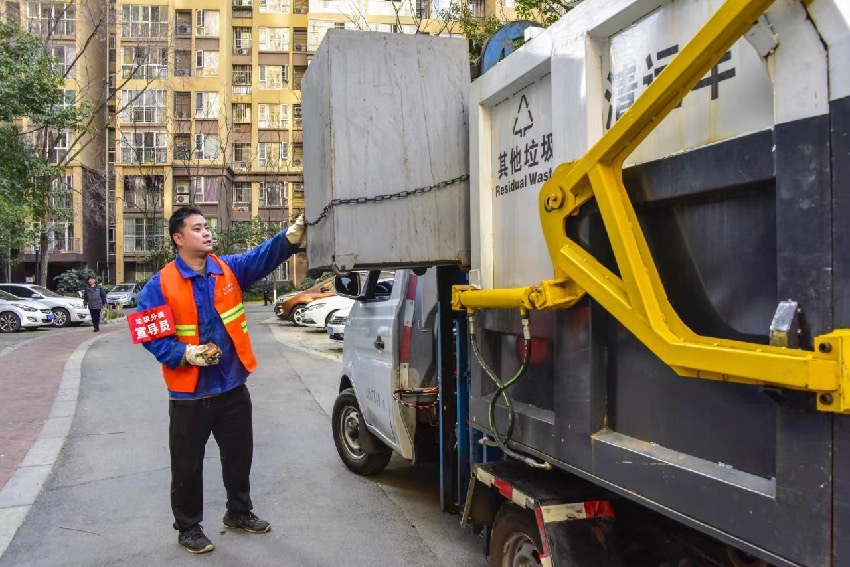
[[248, 268]]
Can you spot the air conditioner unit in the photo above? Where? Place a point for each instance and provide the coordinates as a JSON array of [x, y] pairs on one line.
[[296, 162], [182, 190], [299, 47], [241, 51], [242, 208], [181, 199], [299, 10], [184, 29], [243, 166]]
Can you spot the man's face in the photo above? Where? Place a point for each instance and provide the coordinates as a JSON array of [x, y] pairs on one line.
[[91, 281], [195, 236]]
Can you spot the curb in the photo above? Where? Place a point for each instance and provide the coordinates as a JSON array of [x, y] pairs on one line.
[[20, 492]]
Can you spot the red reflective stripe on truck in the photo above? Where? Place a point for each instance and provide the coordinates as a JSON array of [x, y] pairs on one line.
[[407, 329], [598, 509], [504, 488], [541, 527]]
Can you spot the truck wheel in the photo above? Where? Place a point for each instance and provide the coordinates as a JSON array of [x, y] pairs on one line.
[[346, 431], [297, 314], [515, 541]]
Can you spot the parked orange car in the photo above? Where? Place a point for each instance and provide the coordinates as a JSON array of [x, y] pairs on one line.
[[291, 306]]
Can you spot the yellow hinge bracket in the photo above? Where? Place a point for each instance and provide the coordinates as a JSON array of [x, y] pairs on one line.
[[636, 298]]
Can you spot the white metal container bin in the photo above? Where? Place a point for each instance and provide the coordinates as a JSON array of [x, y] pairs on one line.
[[386, 113]]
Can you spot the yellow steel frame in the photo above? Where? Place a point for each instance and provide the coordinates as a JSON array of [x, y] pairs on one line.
[[637, 299]]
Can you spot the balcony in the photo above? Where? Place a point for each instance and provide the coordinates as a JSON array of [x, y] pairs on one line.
[[243, 12], [241, 89]]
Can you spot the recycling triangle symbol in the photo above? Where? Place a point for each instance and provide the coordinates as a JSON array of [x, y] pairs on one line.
[[523, 121]]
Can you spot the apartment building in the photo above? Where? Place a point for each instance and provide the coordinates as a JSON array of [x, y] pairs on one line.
[[207, 112], [74, 35], [201, 101]]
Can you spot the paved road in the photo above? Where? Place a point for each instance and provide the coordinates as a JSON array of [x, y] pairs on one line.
[[106, 502]]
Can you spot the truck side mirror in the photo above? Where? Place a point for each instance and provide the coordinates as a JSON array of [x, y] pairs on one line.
[[350, 285]]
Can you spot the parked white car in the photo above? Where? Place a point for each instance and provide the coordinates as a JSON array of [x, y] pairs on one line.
[[318, 314], [17, 313], [336, 328], [126, 294], [66, 310]]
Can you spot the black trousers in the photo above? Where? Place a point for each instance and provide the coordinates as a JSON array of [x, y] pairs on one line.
[[228, 418], [95, 318]]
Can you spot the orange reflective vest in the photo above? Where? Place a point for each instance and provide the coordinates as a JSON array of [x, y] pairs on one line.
[[227, 301]]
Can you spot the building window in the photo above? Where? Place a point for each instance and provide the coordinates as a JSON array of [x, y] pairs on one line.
[[51, 19], [241, 154], [271, 194], [206, 23], [144, 147], [274, 6], [296, 115], [64, 56], [242, 193], [61, 193], [144, 21], [147, 63], [59, 144], [242, 41], [143, 106], [143, 192], [182, 105], [182, 63], [274, 39], [316, 30], [272, 77], [242, 75], [60, 236], [207, 105], [206, 146], [143, 234], [241, 113], [205, 189], [273, 116], [182, 147], [206, 63], [183, 23], [271, 154]]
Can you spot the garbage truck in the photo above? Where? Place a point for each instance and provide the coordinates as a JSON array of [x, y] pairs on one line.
[[619, 308]]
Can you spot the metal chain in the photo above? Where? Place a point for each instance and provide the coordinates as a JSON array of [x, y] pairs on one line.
[[379, 198]]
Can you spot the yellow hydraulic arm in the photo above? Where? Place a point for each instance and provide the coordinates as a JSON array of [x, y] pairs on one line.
[[637, 299]]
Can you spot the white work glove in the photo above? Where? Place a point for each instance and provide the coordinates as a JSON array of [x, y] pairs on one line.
[[202, 355], [297, 233]]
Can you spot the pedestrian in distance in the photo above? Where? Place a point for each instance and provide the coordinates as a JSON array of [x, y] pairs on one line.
[[266, 292], [205, 364], [94, 298]]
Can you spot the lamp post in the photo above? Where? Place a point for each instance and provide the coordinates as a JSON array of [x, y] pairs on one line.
[[37, 263]]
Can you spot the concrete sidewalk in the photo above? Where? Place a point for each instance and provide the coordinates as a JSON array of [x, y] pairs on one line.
[[39, 381]]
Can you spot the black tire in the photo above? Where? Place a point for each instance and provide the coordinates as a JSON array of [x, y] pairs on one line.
[[515, 539], [296, 313], [9, 322], [344, 420], [329, 317], [61, 317]]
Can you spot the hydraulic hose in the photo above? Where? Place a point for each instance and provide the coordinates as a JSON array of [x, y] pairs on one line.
[[501, 390]]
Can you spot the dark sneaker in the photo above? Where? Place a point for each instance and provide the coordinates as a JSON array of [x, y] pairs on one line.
[[195, 541], [247, 521]]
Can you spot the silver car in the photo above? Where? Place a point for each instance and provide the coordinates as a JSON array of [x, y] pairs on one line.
[[66, 310], [17, 313], [126, 294]]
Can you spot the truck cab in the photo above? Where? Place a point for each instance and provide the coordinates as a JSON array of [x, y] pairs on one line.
[[388, 388]]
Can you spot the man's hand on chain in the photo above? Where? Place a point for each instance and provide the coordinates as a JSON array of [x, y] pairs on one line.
[[296, 233]]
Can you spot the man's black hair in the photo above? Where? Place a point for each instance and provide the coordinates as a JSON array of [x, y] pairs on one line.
[[175, 223]]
